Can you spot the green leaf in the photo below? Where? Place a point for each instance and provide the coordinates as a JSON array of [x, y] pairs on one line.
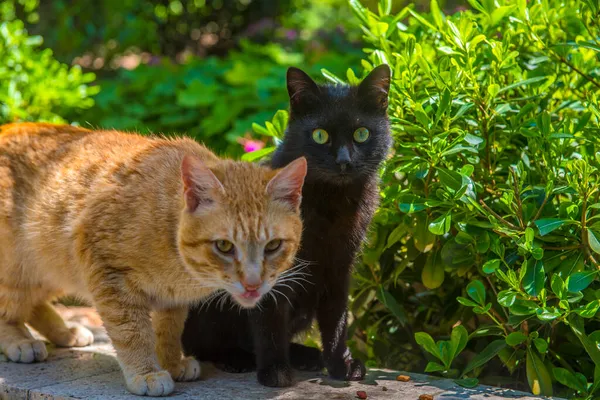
[[506, 298], [486, 355], [280, 121], [576, 324], [541, 345], [426, 341], [580, 280], [566, 378], [255, 155], [547, 225], [525, 82], [466, 302], [331, 77], [589, 310], [467, 382], [490, 266], [450, 179], [558, 286], [589, 45], [458, 341], [360, 11], [476, 291], [534, 279], [515, 338], [538, 376], [261, 130], [436, 13], [421, 20], [441, 225], [391, 304], [548, 313], [593, 241], [432, 366], [409, 203]]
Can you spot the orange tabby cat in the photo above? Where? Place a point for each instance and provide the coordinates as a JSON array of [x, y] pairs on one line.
[[141, 227]]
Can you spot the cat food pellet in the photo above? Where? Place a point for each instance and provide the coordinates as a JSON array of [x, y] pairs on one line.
[[425, 397], [403, 378], [385, 389], [361, 394]]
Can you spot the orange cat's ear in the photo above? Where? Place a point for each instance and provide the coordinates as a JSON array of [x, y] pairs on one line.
[[199, 183], [287, 185]]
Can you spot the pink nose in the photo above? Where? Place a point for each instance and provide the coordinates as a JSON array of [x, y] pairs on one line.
[[251, 287]]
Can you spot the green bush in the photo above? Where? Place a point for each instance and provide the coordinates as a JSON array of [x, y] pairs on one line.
[[214, 99], [33, 85], [488, 222], [491, 197]]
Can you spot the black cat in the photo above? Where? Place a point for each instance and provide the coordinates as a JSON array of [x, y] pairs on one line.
[[343, 131]]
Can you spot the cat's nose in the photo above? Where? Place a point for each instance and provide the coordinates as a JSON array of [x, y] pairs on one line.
[[343, 157], [252, 285]]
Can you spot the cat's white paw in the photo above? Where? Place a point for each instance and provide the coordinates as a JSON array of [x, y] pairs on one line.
[[187, 370], [76, 336], [153, 384], [81, 336], [26, 351]]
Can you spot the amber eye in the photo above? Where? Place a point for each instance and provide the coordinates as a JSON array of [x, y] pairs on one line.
[[320, 136], [225, 246], [361, 135], [273, 246]]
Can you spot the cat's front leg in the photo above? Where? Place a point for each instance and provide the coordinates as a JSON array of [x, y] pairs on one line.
[[127, 321], [168, 326], [332, 318], [271, 336]]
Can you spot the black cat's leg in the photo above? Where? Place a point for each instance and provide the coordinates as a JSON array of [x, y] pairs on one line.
[[331, 315], [271, 344], [306, 358], [235, 361]]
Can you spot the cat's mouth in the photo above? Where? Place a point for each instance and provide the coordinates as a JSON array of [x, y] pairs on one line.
[[250, 298]]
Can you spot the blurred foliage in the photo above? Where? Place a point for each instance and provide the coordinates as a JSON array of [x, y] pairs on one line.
[[162, 27], [490, 199], [33, 85], [215, 100]]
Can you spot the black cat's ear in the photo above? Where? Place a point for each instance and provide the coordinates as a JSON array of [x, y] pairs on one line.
[[373, 90], [302, 89]]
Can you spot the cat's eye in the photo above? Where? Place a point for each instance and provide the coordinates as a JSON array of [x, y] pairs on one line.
[[361, 135], [273, 246], [224, 246], [320, 136]]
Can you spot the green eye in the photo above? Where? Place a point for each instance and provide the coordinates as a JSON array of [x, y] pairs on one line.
[[224, 246], [273, 245], [320, 136], [361, 135]]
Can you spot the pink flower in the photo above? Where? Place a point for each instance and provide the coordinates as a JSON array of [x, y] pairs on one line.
[[252, 145]]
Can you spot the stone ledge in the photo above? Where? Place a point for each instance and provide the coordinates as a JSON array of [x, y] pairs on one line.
[[93, 373]]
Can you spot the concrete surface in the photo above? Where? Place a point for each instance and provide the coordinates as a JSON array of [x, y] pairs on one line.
[[93, 373]]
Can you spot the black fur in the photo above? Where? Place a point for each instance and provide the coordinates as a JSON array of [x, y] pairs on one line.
[[337, 205]]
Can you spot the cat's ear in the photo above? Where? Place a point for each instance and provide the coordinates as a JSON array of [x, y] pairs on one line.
[[373, 90], [286, 186], [199, 183], [302, 89]]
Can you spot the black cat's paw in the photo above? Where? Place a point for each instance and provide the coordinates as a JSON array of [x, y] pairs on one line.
[[306, 358], [236, 363], [276, 375], [351, 370]]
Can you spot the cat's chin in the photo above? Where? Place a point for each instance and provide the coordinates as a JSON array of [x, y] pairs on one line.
[[246, 302]]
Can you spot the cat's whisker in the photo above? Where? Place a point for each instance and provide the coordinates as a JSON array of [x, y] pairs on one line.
[[281, 293], [274, 297]]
